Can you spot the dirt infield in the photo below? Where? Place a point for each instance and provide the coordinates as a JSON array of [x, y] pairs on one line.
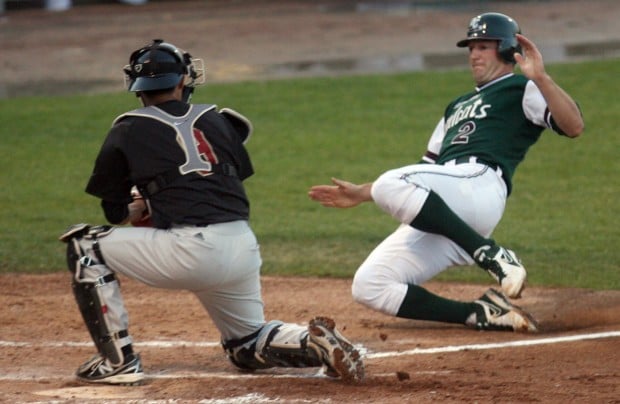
[[84, 49], [575, 358]]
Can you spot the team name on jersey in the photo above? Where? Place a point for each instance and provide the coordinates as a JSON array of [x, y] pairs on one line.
[[468, 109]]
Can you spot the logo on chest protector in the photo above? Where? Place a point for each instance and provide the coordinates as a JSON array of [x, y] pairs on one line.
[[474, 108]]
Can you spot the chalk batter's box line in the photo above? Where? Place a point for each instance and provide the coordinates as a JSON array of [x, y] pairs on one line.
[[225, 375], [364, 351]]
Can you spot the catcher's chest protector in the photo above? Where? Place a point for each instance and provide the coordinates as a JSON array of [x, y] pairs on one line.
[[184, 127]]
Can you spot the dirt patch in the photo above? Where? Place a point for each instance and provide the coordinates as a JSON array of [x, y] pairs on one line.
[[573, 359], [84, 49]]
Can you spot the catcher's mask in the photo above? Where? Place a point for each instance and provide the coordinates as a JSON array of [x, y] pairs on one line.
[[498, 27], [160, 66]]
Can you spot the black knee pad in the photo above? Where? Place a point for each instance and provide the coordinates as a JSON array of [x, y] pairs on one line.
[[242, 353], [75, 252], [276, 344]]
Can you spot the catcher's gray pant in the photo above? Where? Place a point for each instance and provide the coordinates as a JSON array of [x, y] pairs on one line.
[[219, 263], [475, 192]]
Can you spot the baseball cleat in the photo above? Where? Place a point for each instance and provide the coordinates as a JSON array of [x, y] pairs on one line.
[[494, 312], [98, 370], [339, 356], [505, 267]]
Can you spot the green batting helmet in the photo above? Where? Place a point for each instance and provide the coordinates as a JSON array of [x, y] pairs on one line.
[[498, 27]]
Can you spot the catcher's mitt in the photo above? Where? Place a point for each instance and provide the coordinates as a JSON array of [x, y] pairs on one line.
[[139, 213]]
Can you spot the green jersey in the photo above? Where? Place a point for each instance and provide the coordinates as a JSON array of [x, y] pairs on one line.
[[497, 123]]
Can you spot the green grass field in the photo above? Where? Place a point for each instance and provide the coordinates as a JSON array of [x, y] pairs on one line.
[[562, 218]]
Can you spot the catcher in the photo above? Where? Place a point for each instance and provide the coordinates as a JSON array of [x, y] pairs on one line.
[[449, 204], [175, 170]]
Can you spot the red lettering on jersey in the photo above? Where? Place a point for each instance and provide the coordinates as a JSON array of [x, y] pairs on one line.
[[205, 150]]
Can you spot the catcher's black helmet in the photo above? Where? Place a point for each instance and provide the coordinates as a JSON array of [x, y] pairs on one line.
[[494, 26], [160, 65]]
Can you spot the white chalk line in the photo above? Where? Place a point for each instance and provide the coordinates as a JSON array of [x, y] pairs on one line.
[[415, 351], [499, 345], [24, 376], [146, 344], [109, 395]]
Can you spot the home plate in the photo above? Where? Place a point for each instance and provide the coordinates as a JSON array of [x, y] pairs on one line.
[[94, 392]]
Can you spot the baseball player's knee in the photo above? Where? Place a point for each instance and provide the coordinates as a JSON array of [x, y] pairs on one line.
[[276, 344], [245, 358], [364, 289], [364, 293], [83, 250], [376, 292], [243, 353], [357, 288]]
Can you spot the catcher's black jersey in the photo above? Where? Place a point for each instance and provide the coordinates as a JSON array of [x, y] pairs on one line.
[[189, 178]]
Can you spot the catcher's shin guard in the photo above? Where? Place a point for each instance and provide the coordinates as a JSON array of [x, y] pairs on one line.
[[275, 345], [98, 297]]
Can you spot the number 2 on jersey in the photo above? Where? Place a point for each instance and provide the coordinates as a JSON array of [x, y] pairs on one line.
[[465, 130]]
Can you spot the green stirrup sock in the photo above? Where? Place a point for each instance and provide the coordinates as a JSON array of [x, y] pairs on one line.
[[420, 304], [437, 217]]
